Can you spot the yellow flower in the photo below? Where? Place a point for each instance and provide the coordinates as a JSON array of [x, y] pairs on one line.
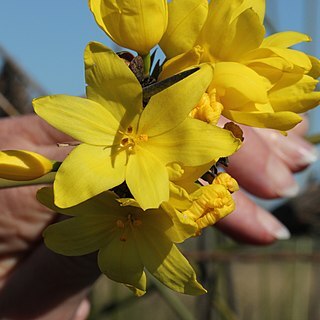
[[200, 206], [128, 240], [253, 75], [226, 180], [211, 203], [208, 109], [124, 142], [133, 24], [21, 165]]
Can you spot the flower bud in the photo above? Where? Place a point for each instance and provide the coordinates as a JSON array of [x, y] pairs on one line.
[[134, 24], [20, 165]]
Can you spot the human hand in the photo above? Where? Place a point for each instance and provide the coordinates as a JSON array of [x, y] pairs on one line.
[[264, 167], [35, 282]]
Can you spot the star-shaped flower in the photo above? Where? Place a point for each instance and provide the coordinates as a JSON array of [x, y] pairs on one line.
[[128, 240], [121, 141]]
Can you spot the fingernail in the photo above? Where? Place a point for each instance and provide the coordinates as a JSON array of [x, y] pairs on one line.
[[281, 178], [291, 148], [83, 310], [273, 225], [307, 155]]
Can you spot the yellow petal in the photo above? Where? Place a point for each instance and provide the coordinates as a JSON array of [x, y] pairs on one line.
[[226, 180], [211, 203], [20, 165], [297, 96], [147, 179], [284, 39], [181, 62], [79, 235], [165, 262], [258, 6], [86, 172], [186, 18], [227, 38], [133, 24], [82, 119], [111, 83], [193, 143], [183, 227], [282, 121], [236, 85], [171, 106], [120, 261], [315, 70]]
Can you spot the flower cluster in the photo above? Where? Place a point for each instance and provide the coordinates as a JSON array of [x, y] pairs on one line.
[[143, 175]]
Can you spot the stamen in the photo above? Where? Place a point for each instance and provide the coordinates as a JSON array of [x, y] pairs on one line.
[[120, 224], [124, 142], [143, 137]]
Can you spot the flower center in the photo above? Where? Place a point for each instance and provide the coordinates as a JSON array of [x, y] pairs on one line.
[[130, 139], [128, 223]]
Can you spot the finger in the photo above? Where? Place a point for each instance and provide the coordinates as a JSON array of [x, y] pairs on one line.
[[48, 286], [259, 170], [83, 310], [301, 128], [252, 224], [293, 150], [32, 129]]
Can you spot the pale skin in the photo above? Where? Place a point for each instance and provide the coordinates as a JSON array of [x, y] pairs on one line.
[[38, 284]]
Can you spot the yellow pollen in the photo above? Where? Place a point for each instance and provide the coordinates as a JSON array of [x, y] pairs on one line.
[[143, 137]]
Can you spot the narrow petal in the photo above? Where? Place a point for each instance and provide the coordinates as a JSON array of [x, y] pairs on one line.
[[86, 172], [284, 39], [171, 106], [238, 84], [120, 261], [164, 261], [186, 18], [258, 6], [181, 62], [147, 179], [183, 226], [279, 120], [235, 35], [298, 97], [79, 235], [193, 143], [103, 204], [315, 70], [81, 118], [111, 83]]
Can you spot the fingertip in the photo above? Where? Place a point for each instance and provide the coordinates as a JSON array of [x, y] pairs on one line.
[[251, 224]]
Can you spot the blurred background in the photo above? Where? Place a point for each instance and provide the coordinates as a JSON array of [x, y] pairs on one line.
[[41, 52]]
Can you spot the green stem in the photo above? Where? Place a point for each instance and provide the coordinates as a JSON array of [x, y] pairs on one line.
[[146, 65], [46, 179]]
